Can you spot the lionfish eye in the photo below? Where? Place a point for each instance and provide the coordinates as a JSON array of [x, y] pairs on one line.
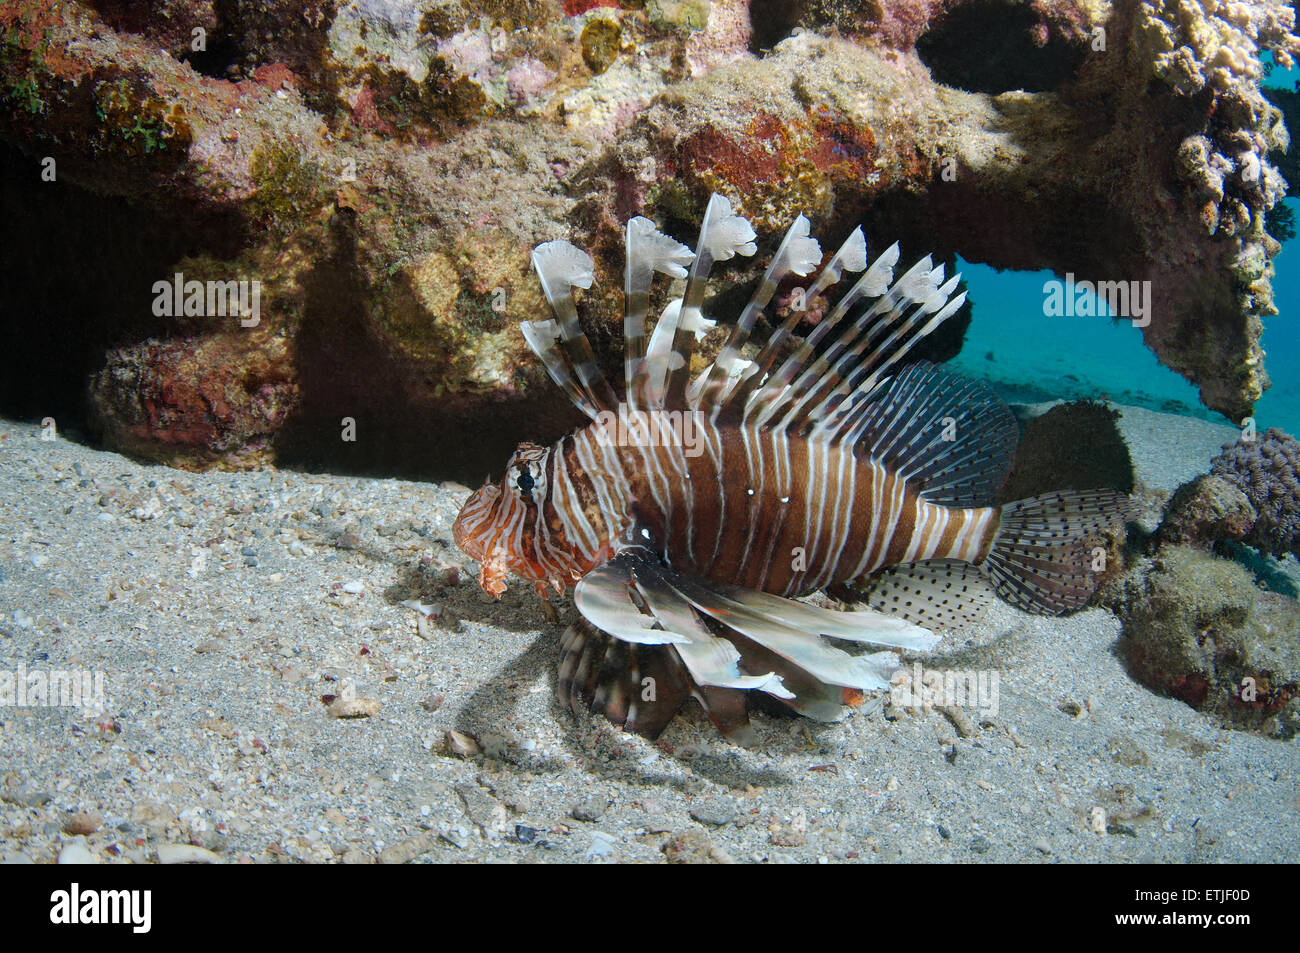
[[525, 482]]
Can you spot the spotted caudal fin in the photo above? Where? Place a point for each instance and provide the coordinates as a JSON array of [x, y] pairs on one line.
[[1038, 561]]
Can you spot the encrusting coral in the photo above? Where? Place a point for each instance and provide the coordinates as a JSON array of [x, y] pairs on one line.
[[1204, 511], [1196, 624], [385, 163], [1196, 627]]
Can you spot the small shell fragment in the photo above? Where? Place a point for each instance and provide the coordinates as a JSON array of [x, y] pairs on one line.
[[357, 707], [460, 744]]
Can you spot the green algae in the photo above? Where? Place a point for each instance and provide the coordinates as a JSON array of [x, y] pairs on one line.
[[289, 187], [137, 123], [600, 42]]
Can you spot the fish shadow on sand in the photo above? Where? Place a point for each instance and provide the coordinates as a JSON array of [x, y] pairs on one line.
[[587, 738], [591, 739]]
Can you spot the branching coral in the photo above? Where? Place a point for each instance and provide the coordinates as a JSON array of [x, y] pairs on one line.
[[1268, 472], [1214, 45], [1217, 43]]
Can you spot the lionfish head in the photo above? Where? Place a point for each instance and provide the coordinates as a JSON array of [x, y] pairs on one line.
[[499, 526]]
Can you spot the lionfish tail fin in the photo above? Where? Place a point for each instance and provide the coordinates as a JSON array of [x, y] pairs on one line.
[[1038, 561]]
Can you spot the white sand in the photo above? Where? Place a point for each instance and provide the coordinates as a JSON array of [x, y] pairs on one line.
[[215, 732]]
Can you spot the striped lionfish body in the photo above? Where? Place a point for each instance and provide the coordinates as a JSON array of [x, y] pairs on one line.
[[693, 514]]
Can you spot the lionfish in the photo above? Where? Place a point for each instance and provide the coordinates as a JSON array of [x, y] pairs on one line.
[[694, 515]]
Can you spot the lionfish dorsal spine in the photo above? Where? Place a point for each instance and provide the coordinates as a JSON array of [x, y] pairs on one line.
[[867, 348], [840, 419], [542, 338], [902, 331], [776, 389], [798, 254], [851, 256], [647, 250], [561, 267], [723, 235], [875, 324]]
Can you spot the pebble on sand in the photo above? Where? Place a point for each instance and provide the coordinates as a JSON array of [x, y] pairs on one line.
[[715, 811], [75, 851], [590, 810], [460, 744], [186, 854], [353, 707], [83, 822]]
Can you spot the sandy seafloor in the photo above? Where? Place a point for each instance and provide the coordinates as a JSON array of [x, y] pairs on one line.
[[216, 735]]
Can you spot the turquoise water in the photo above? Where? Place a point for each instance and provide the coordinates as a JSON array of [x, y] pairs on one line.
[[1028, 356]]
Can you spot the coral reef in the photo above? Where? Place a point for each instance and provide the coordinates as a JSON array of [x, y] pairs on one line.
[[405, 156], [1267, 472], [219, 398], [1074, 446], [1197, 628], [1197, 622], [1204, 511]]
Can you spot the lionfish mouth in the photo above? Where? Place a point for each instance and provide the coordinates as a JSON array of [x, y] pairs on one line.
[[477, 533]]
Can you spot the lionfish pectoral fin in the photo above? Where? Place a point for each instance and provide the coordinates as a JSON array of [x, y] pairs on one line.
[[868, 626], [811, 698], [635, 656], [808, 651], [605, 598], [639, 688], [631, 599], [641, 623]]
